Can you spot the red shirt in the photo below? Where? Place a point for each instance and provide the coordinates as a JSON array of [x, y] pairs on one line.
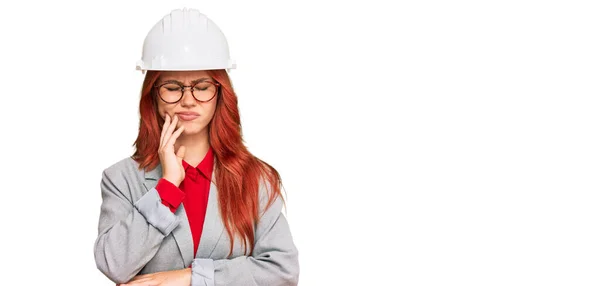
[[193, 192]]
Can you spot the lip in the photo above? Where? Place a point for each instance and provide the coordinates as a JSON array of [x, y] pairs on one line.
[[187, 116]]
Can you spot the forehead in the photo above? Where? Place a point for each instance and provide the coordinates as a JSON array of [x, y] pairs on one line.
[[183, 76]]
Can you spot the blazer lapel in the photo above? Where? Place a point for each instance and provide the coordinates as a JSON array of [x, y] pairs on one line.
[[213, 224], [182, 233]]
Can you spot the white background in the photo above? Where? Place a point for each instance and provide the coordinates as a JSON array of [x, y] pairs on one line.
[[420, 142]]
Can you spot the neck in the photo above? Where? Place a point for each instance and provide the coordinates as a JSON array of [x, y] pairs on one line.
[[196, 146]]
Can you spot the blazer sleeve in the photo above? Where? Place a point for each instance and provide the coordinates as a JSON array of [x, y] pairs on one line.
[[129, 233], [274, 260]]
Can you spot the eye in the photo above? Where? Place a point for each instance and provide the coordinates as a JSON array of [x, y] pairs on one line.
[[171, 87], [202, 86]]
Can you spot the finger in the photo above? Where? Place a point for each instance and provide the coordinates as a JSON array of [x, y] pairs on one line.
[[164, 129], [138, 277], [169, 134], [175, 135], [168, 129], [141, 282], [150, 282]]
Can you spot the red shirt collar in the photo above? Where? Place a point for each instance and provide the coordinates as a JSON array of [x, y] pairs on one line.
[[206, 165]]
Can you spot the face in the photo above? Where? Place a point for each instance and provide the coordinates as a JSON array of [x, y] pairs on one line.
[[202, 111]]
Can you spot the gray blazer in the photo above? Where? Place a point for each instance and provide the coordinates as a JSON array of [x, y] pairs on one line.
[[137, 234]]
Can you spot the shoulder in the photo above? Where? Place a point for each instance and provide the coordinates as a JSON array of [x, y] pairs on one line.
[[269, 200], [123, 178], [124, 168]]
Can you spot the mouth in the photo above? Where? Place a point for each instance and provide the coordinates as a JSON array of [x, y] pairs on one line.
[[187, 117]]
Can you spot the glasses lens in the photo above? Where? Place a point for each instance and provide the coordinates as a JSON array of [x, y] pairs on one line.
[[204, 90], [170, 92]]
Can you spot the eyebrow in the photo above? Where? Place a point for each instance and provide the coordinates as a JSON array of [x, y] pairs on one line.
[[192, 83]]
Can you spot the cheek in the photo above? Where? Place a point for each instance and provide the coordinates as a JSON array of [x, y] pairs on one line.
[[209, 111], [162, 110]]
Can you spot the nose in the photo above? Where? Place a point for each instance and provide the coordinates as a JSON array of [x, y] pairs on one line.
[[188, 97]]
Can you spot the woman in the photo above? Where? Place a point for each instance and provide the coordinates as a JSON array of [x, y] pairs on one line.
[[192, 206]]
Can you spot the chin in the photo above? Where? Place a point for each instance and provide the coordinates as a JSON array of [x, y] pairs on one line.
[[191, 130]]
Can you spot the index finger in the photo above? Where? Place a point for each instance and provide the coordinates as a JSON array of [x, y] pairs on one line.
[[164, 128]]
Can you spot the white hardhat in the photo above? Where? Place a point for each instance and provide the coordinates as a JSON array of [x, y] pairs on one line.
[[185, 40]]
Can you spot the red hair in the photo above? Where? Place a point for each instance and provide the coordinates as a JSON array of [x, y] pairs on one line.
[[237, 171]]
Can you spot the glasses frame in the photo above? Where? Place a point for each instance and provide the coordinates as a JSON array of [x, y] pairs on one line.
[[183, 87]]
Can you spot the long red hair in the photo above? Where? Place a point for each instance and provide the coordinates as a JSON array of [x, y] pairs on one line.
[[237, 171]]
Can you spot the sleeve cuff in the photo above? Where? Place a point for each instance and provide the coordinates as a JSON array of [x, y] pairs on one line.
[[156, 213], [203, 272], [169, 194]]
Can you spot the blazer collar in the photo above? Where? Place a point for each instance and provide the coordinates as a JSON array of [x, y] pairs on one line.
[[213, 225]]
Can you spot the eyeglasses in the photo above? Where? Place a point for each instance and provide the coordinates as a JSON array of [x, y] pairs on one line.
[[172, 92]]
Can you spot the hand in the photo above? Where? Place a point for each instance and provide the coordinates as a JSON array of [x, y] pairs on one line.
[[171, 163], [182, 277]]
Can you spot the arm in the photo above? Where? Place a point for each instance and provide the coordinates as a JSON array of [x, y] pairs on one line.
[[129, 233], [273, 262]]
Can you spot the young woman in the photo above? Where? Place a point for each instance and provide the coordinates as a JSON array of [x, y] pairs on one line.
[[192, 206]]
